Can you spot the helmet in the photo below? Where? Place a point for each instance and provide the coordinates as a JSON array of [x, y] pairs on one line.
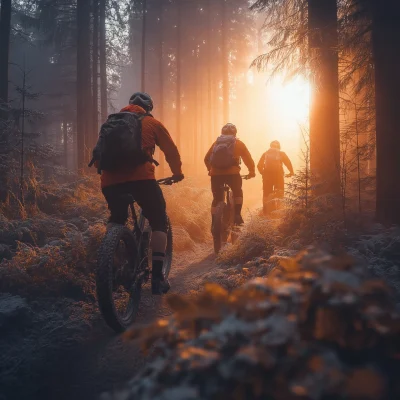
[[143, 100], [275, 145], [229, 129]]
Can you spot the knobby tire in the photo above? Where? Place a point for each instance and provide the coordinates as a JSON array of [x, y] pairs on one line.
[[105, 278]]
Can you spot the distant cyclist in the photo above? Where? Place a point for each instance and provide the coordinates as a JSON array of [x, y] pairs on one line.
[[223, 163], [124, 155], [270, 167]]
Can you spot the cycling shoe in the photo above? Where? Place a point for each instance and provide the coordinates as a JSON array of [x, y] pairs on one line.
[[238, 220], [160, 286]]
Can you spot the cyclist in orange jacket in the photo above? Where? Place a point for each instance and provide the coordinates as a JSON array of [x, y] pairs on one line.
[[270, 167], [223, 164]]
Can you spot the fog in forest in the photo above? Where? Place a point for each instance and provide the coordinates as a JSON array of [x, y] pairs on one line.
[[263, 107], [191, 279]]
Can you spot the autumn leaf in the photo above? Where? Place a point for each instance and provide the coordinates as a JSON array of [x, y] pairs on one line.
[[179, 304], [288, 264]]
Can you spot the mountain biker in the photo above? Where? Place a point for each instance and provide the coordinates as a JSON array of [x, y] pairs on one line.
[[270, 167], [140, 182], [223, 164]]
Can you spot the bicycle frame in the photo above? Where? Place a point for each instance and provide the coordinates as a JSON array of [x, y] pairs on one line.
[[139, 227], [139, 231]]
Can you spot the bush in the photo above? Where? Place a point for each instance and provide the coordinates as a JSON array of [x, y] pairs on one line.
[[318, 328], [258, 238], [188, 207]]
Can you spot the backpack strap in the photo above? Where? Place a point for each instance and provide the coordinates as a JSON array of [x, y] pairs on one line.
[[141, 117]]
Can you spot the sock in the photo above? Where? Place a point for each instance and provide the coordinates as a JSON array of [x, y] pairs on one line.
[[158, 263], [238, 209]]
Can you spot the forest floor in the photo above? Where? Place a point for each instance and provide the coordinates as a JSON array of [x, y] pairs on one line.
[[95, 360], [53, 342], [104, 361]]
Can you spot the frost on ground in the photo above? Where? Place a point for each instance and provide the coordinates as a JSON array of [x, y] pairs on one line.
[[319, 327], [48, 251], [380, 249], [285, 232]]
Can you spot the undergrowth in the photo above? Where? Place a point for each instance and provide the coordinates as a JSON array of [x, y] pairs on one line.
[[49, 247], [319, 327]]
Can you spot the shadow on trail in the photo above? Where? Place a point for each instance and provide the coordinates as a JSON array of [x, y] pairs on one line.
[[105, 361]]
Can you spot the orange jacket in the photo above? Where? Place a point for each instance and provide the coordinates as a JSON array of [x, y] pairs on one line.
[[240, 152], [284, 160], [153, 133]]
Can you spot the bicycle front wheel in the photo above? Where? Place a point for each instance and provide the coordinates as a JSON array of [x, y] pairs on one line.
[[118, 292], [169, 251]]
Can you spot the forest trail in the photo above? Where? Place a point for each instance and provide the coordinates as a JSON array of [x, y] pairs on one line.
[[105, 361]]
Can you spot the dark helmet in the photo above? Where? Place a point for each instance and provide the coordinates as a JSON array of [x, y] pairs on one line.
[[229, 129], [275, 145], [143, 100]]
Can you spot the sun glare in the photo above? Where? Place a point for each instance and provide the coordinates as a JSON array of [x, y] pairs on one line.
[[292, 98], [283, 113]]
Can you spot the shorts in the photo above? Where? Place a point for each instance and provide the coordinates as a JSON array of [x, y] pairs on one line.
[[147, 194], [217, 186], [274, 183]]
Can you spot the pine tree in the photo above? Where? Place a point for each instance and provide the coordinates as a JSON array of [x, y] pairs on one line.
[[324, 112], [103, 62], [83, 81], [5, 29], [95, 71], [386, 45]]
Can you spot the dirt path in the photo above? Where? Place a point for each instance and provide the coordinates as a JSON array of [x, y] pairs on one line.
[[105, 361]]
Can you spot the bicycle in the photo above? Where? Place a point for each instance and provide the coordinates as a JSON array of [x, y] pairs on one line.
[[124, 267], [223, 226], [274, 200]]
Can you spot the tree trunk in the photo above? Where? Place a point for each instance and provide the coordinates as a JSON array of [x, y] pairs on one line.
[[161, 77], [65, 140], [386, 45], [195, 92], [209, 75], [103, 62], [324, 110], [95, 71], [83, 80], [143, 50], [178, 76], [5, 28], [225, 62]]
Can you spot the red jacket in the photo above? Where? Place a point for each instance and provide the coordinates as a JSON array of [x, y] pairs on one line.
[[153, 133]]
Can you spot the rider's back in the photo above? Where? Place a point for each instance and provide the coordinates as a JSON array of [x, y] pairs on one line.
[[272, 161], [240, 151], [153, 133]]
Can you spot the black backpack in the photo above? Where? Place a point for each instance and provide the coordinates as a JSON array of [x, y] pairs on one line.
[[223, 153], [120, 142]]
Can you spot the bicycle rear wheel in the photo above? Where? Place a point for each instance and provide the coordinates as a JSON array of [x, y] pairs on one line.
[[118, 292], [219, 232], [216, 233]]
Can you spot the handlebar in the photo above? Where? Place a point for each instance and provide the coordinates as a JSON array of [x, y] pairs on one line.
[[166, 181], [246, 177]]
